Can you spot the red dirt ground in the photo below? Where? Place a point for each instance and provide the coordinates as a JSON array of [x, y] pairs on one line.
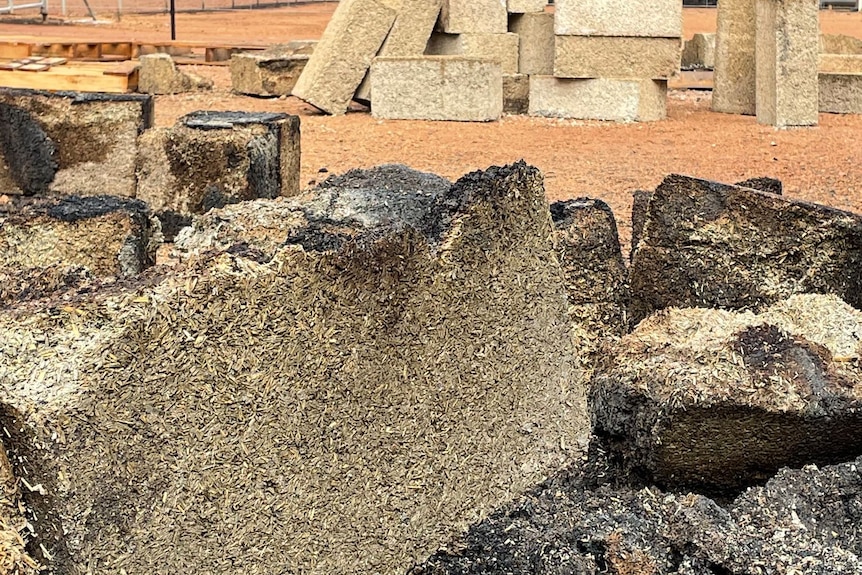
[[603, 160]]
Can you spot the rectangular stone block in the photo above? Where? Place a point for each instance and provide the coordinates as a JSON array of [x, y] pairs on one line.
[[616, 57], [787, 50], [598, 99], [342, 57], [408, 36], [70, 142], [658, 19], [699, 52], [502, 48], [840, 44], [516, 93], [211, 159], [525, 6], [840, 93], [473, 16], [840, 63], [437, 88], [271, 72], [536, 42], [733, 92]]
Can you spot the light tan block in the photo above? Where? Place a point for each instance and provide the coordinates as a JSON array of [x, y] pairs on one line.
[[840, 93], [408, 36], [616, 57], [598, 99], [536, 42], [502, 48], [658, 18], [734, 58], [840, 44], [840, 63], [437, 88], [699, 52], [267, 73], [525, 6], [786, 62], [474, 16], [339, 61], [516, 93]]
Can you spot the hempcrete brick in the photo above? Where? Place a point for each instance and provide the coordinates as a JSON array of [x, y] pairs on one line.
[[341, 58], [658, 19], [536, 42], [437, 88], [787, 50], [502, 48], [616, 57], [733, 92], [598, 99]]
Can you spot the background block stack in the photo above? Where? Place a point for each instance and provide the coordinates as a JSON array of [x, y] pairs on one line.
[[629, 49]]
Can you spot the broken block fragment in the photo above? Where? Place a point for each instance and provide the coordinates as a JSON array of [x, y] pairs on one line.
[[325, 399], [211, 159]]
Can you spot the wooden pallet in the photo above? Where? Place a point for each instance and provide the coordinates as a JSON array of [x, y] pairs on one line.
[[76, 76], [190, 52]]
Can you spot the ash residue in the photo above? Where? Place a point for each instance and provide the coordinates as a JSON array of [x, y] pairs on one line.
[[204, 120], [386, 197], [29, 153], [802, 521], [74, 208]]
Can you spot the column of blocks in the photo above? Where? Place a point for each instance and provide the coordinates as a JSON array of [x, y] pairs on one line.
[[733, 92], [612, 59], [787, 49]]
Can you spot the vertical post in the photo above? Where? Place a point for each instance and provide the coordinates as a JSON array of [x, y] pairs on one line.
[[173, 20], [63, 7]]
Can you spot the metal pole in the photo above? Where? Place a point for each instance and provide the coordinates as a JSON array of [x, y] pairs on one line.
[[173, 20]]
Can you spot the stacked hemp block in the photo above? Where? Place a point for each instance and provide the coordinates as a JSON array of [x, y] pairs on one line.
[[611, 61]]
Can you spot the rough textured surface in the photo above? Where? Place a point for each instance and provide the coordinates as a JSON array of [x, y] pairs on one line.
[[840, 63], [536, 42], [663, 19], [715, 245], [14, 533], [733, 91], [787, 52], [764, 184], [600, 99], [437, 88], [840, 93], [159, 75], [342, 57], [270, 72], [840, 44], [581, 523], [699, 52], [70, 142], [473, 16], [408, 36], [516, 93], [616, 57], [102, 236], [716, 400], [525, 6], [588, 248], [387, 377], [502, 48], [211, 159]]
